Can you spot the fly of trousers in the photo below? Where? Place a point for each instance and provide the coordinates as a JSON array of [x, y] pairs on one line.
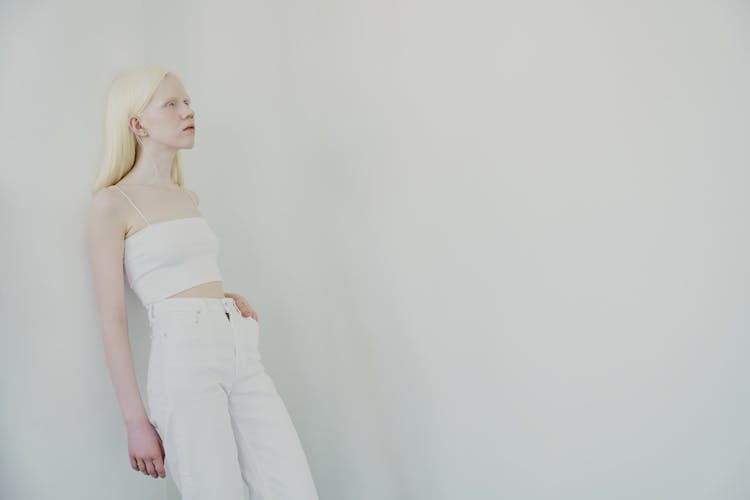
[[222, 423]]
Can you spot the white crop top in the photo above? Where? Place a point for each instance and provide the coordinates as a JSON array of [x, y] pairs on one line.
[[167, 257]]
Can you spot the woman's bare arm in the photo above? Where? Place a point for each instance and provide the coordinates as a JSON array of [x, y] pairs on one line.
[[106, 247]]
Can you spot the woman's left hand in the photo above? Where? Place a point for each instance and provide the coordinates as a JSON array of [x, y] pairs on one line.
[[242, 304]]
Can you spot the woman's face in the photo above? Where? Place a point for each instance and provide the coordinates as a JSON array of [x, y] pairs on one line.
[[167, 114]]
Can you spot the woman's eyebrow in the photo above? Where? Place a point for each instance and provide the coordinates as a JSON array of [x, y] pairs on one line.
[[170, 98]]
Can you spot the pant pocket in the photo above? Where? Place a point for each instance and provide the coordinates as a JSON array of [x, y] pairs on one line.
[[177, 320], [251, 336]]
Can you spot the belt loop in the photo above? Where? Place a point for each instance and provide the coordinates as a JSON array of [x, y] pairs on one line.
[[151, 311]]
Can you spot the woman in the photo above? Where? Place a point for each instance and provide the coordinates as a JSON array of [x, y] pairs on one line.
[[214, 414]]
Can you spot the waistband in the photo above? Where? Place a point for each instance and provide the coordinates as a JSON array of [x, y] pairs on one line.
[[202, 304]]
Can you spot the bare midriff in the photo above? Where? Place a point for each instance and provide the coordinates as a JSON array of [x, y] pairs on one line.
[[212, 289]]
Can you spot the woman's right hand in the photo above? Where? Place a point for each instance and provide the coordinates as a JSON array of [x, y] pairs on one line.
[[145, 449]]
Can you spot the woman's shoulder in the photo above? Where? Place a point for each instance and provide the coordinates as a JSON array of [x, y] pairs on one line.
[[106, 199], [109, 201], [107, 206], [192, 194]]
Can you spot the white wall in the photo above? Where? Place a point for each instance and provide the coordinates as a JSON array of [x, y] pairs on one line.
[[498, 249], [61, 433]]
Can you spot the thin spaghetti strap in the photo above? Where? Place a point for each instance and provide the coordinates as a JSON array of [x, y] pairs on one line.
[[189, 196], [131, 202]]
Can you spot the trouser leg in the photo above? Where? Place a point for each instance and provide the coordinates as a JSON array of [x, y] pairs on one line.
[[201, 450], [190, 410], [272, 460]]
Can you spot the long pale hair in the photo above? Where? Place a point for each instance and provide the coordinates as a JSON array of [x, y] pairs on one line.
[[128, 95]]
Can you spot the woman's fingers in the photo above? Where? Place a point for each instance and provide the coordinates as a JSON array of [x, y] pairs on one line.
[[153, 467], [151, 470], [159, 466], [245, 309], [146, 450]]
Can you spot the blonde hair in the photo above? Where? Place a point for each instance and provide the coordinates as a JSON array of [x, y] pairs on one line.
[[128, 95]]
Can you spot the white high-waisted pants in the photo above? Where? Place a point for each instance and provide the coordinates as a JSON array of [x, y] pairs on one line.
[[221, 421]]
